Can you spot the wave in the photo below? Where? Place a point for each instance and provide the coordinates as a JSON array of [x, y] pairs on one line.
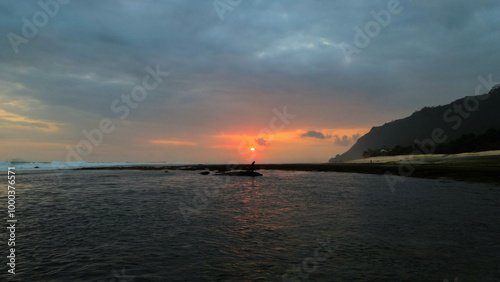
[[71, 165]]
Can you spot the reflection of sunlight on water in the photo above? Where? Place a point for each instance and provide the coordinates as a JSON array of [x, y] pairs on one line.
[[95, 221], [251, 223]]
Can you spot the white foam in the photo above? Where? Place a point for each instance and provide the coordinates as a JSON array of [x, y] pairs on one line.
[[70, 165]]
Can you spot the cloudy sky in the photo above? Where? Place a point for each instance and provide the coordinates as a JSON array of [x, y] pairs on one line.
[[272, 75]]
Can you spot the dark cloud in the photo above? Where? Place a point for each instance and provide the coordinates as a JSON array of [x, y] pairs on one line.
[[345, 140], [261, 141], [315, 134]]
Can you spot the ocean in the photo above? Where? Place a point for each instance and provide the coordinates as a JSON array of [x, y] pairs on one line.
[[135, 225], [58, 165]]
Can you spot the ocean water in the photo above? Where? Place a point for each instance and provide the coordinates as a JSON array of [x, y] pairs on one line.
[[58, 165], [129, 225]]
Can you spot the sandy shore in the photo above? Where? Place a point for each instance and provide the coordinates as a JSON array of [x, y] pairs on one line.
[[430, 158]]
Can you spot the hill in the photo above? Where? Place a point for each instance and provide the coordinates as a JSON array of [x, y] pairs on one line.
[[440, 124]]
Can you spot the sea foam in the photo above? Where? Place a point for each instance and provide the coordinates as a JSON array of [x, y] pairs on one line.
[[71, 165]]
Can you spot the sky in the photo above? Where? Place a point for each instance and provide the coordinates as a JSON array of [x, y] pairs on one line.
[[206, 81]]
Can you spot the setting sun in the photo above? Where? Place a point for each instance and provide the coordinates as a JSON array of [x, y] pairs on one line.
[[252, 149]]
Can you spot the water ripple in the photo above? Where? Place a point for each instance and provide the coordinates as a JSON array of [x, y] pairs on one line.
[[126, 225]]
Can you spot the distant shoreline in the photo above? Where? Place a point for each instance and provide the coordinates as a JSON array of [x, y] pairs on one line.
[[431, 158], [478, 169]]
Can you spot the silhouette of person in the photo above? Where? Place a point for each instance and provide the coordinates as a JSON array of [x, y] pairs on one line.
[[252, 166]]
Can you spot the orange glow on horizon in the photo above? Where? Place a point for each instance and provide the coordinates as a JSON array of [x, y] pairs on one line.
[[243, 141], [277, 147]]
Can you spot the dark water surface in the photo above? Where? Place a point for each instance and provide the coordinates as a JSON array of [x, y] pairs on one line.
[[111, 225]]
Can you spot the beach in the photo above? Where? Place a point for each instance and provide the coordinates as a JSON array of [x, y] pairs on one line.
[[481, 167]]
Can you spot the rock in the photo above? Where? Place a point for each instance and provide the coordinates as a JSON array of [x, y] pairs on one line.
[[241, 173]]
